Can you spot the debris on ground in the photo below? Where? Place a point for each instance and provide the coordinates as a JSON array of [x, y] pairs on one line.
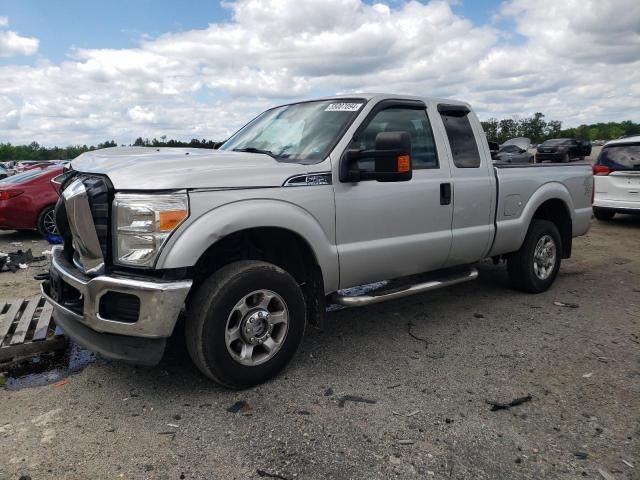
[[406, 442], [353, 398], [14, 261], [328, 392], [241, 406], [478, 315], [587, 375], [628, 464], [411, 414], [565, 304], [581, 455], [606, 475], [412, 335], [506, 406], [263, 473]]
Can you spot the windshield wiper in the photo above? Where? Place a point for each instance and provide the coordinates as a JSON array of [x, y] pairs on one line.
[[255, 150]]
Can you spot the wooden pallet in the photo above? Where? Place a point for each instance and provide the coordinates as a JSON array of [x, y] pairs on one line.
[[26, 327]]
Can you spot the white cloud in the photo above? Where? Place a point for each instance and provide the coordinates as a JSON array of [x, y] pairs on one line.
[[9, 115], [577, 62], [12, 44]]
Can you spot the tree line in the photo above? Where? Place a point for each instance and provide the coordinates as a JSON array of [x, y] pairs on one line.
[[35, 151], [538, 129]]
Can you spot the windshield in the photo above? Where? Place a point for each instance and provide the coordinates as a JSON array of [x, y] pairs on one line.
[[621, 157], [300, 132]]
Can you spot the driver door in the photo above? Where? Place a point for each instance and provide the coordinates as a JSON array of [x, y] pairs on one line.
[[391, 229]]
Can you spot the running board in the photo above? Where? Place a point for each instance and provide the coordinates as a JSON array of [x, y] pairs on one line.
[[446, 280]]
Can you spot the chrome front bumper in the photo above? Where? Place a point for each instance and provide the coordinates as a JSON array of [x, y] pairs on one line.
[[160, 301]]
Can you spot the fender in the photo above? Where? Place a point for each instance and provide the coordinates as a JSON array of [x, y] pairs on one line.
[[510, 232], [191, 240]]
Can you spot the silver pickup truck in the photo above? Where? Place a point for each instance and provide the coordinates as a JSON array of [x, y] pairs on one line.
[[248, 243]]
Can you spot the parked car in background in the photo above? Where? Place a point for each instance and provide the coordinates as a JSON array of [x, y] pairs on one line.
[[31, 164], [494, 148], [514, 150], [27, 200], [617, 178], [562, 150], [4, 172]]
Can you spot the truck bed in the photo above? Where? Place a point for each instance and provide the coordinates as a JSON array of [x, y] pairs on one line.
[[523, 188]]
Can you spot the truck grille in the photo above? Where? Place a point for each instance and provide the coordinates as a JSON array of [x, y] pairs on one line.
[[98, 197], [98, 193]]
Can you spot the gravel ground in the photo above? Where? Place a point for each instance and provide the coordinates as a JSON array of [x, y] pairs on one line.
[[21, 283], [421, 370]]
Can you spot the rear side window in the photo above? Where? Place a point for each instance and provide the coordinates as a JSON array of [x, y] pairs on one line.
[[464, 147], [22, 177], [621, 157]]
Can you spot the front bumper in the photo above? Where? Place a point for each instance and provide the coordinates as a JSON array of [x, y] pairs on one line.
[[140, 341]]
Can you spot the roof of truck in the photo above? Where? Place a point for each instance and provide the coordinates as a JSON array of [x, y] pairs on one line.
[[379, 96]]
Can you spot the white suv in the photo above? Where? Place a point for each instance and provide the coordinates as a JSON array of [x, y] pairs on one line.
[[617, 178]]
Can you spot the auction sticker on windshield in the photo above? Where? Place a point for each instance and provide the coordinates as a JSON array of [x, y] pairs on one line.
[[343, 107]]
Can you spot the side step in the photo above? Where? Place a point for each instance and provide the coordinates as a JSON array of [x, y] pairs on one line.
[[446, 280]]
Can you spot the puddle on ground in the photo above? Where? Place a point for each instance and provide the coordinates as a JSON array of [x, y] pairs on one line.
[[47, 368]]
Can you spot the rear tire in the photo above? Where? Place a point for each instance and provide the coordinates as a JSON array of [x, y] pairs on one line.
[[46, 221], [535, 266], [245, 323], [603, 214]]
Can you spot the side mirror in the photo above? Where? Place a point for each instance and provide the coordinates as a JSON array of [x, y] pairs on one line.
[[391, 158]]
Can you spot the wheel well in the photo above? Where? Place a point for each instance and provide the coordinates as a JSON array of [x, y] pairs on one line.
[[279, 246], [556, 211]]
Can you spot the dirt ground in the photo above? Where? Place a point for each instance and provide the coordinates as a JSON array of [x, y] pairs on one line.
[[420, 372]]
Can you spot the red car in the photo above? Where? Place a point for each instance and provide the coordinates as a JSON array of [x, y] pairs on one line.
[[27, 200]]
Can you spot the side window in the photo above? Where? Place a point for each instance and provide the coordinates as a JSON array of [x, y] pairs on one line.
[[464, 147], [399, 119]]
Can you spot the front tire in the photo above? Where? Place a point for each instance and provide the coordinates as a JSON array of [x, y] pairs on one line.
[[603, 214], [535, 266], [245, 323]]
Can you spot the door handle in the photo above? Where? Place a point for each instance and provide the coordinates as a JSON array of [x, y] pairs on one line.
[[445, 194]]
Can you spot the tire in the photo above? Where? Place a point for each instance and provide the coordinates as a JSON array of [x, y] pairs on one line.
[[523, 267], [237, 294], [46, 221], [603, 214]]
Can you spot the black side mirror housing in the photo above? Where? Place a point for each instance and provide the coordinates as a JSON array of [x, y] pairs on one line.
[[391, 156]]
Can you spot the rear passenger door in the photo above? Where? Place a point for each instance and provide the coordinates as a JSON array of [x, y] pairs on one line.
[[474, 185]]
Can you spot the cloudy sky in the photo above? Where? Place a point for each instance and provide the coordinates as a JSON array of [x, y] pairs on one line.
[[77, 72]]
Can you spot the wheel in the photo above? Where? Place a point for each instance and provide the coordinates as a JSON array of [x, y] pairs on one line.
[[603, 213], [46, 221], [245, 323], [534, 267]]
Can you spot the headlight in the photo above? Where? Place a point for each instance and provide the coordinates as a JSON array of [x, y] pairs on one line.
[[142, 223]]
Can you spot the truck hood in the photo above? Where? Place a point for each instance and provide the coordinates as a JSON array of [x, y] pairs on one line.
[[149, 168]]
